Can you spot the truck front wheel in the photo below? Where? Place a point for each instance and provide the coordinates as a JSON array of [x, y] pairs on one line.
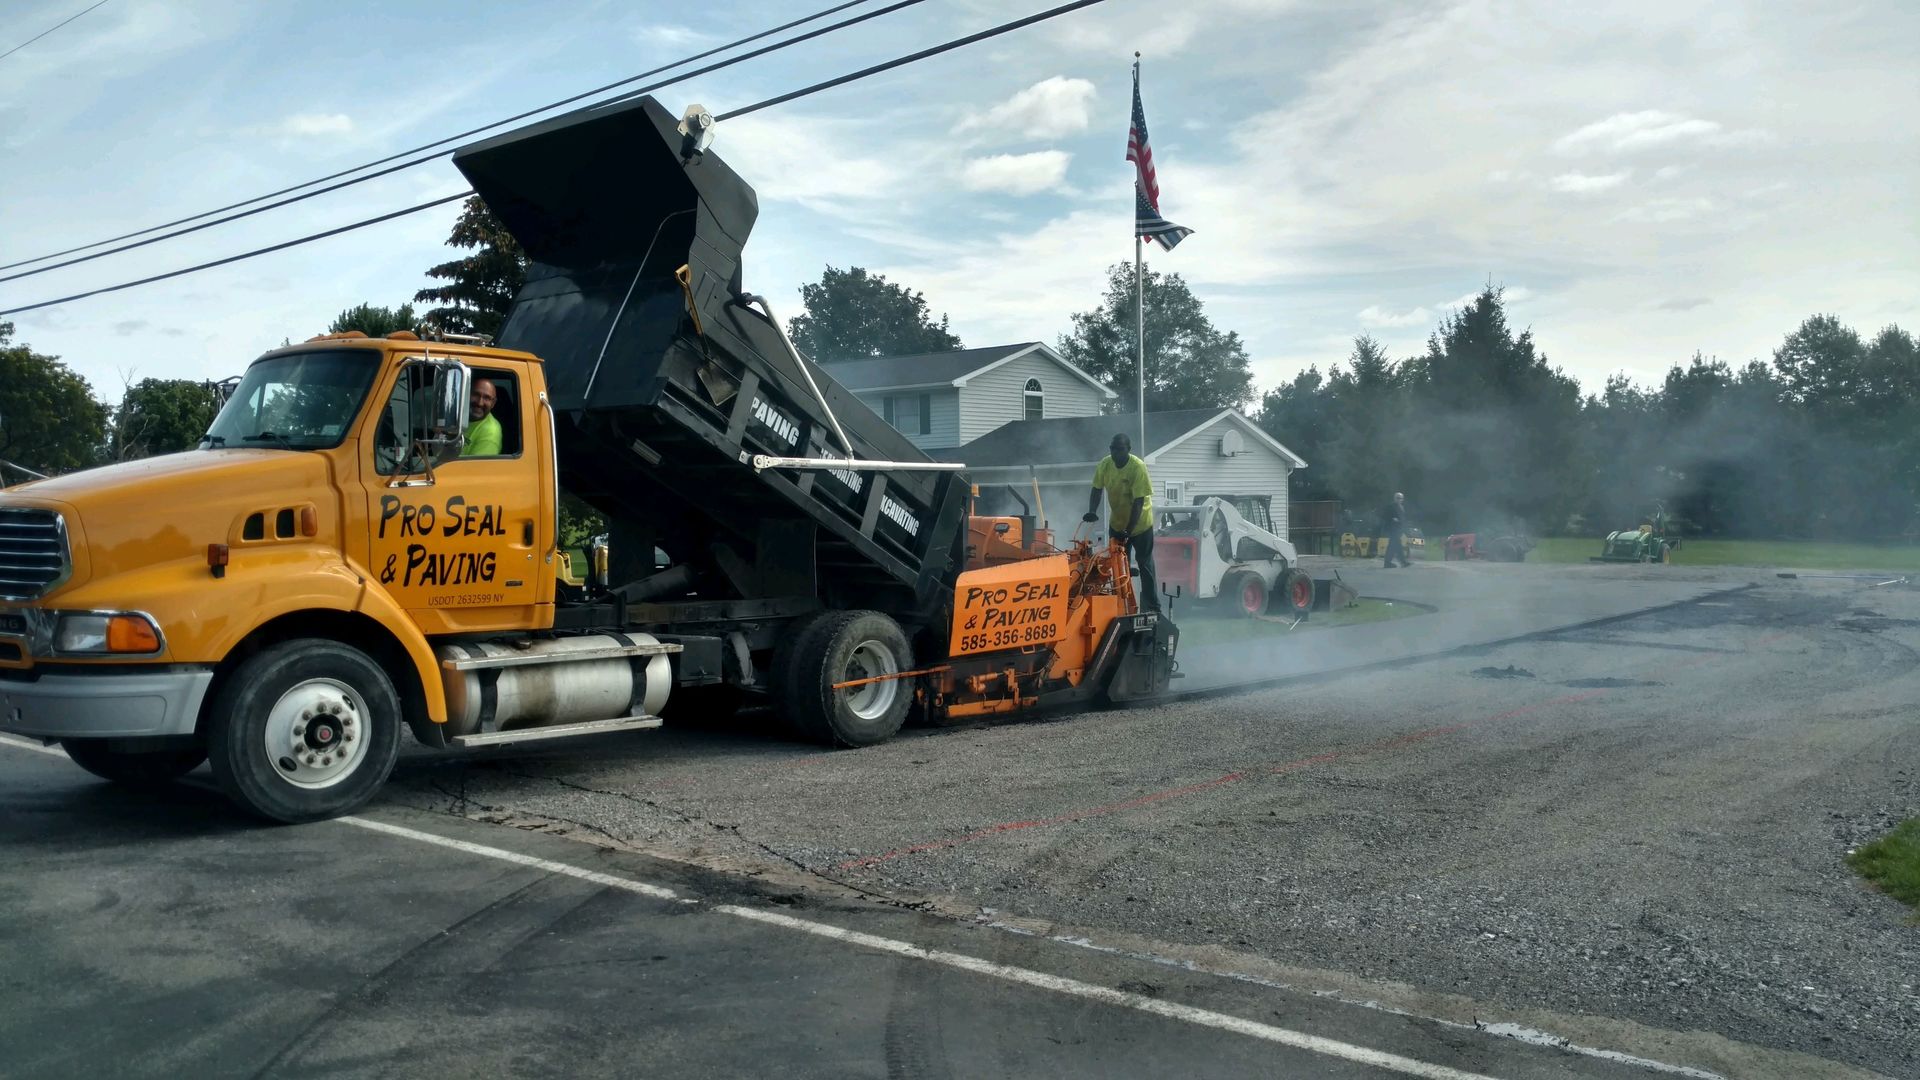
[[304, 730], [132, 768]]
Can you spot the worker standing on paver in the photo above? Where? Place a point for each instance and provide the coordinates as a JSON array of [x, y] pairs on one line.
[[1393, 525], [1123, 479]]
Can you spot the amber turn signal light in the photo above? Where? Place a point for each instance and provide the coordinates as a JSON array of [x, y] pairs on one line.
[[217, 559], [131, 634]]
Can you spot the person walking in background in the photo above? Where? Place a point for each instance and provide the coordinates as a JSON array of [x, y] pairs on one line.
[[1393, 525]]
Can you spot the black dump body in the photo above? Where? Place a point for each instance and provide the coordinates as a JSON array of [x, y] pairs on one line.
[[657, 420]]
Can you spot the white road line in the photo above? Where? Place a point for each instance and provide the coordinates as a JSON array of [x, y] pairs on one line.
[[1105, 995], [34, 746], [502, 854], [1138, 1002]]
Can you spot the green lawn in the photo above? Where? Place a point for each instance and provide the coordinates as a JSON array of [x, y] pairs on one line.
[[1204, 628], [1804, 554], [1893, 862]]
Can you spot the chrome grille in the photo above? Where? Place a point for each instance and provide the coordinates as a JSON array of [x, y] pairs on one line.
[[33, 552]]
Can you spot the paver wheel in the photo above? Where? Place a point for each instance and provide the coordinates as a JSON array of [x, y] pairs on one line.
[[133, 768], [1296, 592], [847, 647], [304, 730], [1244, 594]]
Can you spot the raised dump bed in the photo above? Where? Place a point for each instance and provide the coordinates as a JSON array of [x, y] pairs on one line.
[[668, 380]]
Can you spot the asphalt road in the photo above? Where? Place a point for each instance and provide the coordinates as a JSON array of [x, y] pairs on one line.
[[164, 937], [1627, 837]]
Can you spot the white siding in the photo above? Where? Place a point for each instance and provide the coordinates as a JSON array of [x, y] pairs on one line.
[[999, 396], [1197, 463], [944, 410]]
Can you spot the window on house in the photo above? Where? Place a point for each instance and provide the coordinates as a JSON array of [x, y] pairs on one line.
[[910, 414], [1036, 400]]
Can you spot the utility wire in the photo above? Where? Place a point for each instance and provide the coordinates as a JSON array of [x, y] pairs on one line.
[[829, 84], [462, 135], [243, 255], [44, 33]]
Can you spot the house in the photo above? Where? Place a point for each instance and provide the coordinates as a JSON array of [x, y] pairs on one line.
[[943, 400], [1190, 454]]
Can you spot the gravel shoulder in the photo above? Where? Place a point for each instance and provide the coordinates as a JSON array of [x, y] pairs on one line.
[[1638, 827]]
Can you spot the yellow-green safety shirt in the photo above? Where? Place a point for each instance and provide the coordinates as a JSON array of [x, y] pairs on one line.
[[1123, 484]]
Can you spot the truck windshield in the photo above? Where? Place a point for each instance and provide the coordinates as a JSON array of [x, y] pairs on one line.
[[297, 401]]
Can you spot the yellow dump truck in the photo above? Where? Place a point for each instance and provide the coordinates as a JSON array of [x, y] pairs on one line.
[[336, 562]]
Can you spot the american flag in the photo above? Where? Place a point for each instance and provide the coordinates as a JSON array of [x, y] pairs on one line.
[[1147, 221]]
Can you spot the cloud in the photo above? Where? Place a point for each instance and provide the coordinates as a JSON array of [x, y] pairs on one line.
[[1016, 174], [1683, 303], [1661, 211], [1574, 183], [310, 125], [1629, 132], [130, 327], [1048, 109], [671, 37], [1375, 315]]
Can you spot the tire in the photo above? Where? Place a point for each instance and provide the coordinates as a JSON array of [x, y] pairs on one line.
[[851, 645], [1244, 595], [309, 700], [142, 769], [1296, 592], [784, 682]]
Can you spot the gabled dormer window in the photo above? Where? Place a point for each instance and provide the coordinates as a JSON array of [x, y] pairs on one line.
[[1036, 400]]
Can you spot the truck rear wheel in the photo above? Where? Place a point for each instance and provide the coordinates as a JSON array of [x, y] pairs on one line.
[[304, 730], [851, 646], [133, 768]]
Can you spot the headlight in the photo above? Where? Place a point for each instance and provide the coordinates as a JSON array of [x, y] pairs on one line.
[[105, 633]]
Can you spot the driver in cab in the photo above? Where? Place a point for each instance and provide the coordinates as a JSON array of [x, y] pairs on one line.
[[483, 428]]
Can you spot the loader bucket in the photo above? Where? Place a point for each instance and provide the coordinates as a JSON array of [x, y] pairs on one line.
[[607, 212]]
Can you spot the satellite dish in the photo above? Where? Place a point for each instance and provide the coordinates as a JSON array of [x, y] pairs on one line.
[[1231, 444]]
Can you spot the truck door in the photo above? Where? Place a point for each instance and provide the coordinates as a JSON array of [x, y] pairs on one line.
[[466, 549]]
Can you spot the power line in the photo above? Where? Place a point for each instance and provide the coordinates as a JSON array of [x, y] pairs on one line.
[[775, 47], [44, 33], [244, 255], [957, 43], [889, 65]]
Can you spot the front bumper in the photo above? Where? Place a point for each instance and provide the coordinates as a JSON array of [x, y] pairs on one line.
[[114, 705]]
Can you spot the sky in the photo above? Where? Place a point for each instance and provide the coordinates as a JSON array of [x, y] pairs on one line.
[[1645, 180]]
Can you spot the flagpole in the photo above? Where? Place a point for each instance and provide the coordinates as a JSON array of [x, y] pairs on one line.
[[1140, 307]]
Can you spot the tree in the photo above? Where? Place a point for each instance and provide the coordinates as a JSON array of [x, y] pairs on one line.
[[1190, 363], [851, 313], [1491, 434], [481, 285], [49, 420], [374, 321], [161, 416]]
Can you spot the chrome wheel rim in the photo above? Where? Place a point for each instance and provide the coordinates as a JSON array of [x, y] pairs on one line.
[[872, 659], [316, 734]]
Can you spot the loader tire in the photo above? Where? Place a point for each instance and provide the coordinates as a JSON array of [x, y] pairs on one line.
[[852, 645], [1296, 593], [1244, 595], [139, 769], [304, 730]]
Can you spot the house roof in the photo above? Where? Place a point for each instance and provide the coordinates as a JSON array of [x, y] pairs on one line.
[[1074, 440], [925, 370]]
